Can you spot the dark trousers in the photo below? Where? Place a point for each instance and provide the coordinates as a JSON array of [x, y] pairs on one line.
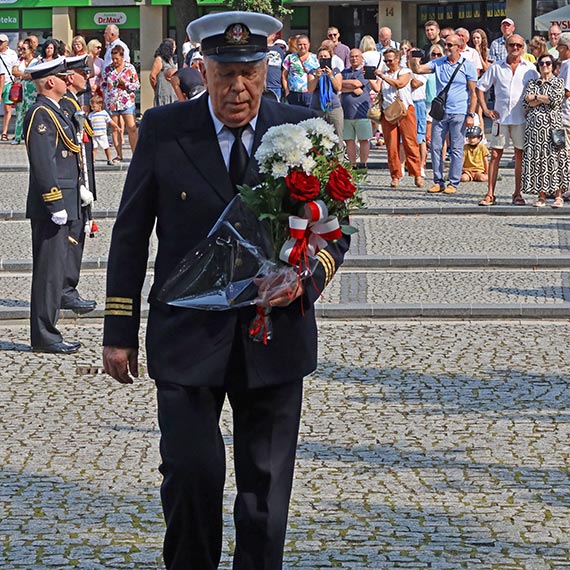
[[74, 256], [49, 253], [265, 429], [299, 98]]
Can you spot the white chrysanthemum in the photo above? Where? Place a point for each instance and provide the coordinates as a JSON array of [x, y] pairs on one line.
[[322, 130], [279, 170], [308, 164], [286, 142]]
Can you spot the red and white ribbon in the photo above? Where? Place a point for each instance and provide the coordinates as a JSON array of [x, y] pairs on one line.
[[309, 233]]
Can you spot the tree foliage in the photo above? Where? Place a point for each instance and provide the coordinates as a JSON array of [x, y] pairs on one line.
[[273, 7]]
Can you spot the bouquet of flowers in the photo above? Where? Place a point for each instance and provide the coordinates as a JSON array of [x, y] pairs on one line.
[[306, 190], [265, 241]]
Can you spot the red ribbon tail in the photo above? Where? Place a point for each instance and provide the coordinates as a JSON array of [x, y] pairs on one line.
[[259, 324]]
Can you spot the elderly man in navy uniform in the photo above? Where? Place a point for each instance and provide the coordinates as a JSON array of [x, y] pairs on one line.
[[53, 201], [182, 176], [77, 83]]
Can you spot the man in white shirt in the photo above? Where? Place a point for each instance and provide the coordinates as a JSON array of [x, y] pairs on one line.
[[111, 35], [553, 34], [469, 53], [509, 78], [8, 59]]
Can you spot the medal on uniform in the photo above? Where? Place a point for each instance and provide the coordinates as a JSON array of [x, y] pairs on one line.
[[42, 129], [64, 153]]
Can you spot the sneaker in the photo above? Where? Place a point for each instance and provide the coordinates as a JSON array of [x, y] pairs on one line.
[[435, 189], [450, 189]]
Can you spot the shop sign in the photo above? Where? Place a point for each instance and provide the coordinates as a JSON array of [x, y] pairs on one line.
[[106, 18], [9, 19]]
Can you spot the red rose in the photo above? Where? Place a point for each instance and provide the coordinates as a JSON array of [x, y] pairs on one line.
[[303, 187], [340, 185]]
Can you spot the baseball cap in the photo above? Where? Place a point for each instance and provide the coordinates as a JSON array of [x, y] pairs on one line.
[[4, 38], [508, 21]]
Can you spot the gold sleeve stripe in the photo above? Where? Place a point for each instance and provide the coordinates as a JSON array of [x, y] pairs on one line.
[[118, 306], [328, 263], [53, 195], [124, 300], [115, 313]]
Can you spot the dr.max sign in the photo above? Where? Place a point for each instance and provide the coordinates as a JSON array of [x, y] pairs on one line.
[[106, 18]]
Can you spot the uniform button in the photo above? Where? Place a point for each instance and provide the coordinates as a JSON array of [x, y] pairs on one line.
[[238, 225], [238, 262], [183, 195]]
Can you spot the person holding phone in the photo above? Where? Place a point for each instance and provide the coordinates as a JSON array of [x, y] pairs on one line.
[[396, 82], [325, 84]]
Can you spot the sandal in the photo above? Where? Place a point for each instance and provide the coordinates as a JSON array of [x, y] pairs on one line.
[[117, 159], [488, 200], [4, 137], [540, 203], [518, 200], [558, 202]]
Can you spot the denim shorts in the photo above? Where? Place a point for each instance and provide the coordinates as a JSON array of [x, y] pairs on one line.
[[128, 111]]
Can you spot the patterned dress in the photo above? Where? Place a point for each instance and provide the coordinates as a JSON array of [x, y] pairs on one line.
[[545, 168], [29, 94]]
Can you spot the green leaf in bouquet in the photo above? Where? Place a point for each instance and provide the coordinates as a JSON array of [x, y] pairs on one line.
[[348, 230]]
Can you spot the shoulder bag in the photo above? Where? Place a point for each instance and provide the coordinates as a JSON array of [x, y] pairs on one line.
[[15, 92], [394, 112], [437, 110], [375, 111]]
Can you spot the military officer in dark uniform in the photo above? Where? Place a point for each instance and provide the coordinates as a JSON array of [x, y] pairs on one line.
[[179, 178], [53, 201], [77, 83]]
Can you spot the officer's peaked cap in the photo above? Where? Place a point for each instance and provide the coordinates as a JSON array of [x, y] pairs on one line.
[[47, 68], [77, 62], [233, 36]]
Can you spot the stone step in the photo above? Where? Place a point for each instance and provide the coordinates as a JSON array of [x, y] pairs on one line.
[[381, 294], [384, 241]]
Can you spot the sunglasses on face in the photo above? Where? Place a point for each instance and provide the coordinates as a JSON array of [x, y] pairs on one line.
[[389, 60], [450, 45], [543, 63], [333, 35], [435, 54], [519, 46]]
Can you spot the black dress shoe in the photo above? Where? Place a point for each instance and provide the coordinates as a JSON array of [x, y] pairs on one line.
[[79, 305], [62, 347]]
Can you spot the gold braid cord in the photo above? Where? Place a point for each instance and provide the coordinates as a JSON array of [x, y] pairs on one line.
[[86, 125]]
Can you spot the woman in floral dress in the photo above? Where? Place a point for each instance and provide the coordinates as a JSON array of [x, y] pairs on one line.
[[545, 170], [119, 84], [29, 92]]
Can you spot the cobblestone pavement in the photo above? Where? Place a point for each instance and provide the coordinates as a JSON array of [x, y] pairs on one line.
[[423, 445]]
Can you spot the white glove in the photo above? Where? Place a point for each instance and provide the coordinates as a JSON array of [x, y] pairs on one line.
[[86, 196], [59, 218]]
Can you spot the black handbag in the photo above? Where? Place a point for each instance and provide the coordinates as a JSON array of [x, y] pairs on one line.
[[437, 109], [558, 138]]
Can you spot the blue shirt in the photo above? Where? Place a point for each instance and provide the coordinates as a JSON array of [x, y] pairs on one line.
[[458, 94], [355, 106]]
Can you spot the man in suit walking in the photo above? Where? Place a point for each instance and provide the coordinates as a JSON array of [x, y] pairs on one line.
[[182, 176], [53, 201]]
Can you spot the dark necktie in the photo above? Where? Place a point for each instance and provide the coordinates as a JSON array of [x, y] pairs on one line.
[[238, 157]]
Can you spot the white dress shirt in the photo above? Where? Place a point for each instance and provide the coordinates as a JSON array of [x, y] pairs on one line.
[[117, 42], [226, 138], [509, 89]]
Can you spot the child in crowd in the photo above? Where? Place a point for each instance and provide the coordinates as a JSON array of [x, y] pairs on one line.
[[99, 119], [475, 157]]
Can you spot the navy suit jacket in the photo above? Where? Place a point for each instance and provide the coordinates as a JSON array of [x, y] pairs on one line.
[[178, 179]]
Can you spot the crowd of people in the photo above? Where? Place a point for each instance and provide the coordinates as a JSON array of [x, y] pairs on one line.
[[342, 84]]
